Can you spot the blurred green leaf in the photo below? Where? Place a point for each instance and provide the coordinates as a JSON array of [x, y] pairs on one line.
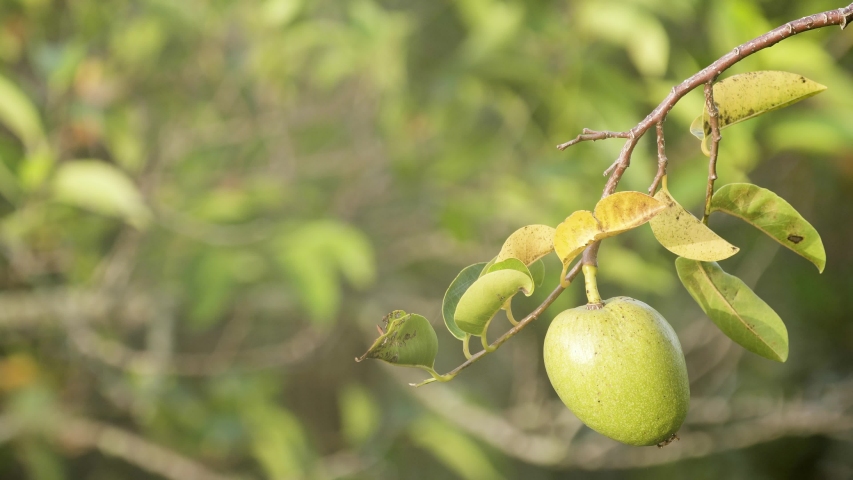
[[41, 461], [101, 188], [278, 440], [459, 453], [360, 414], [313, 254], [772, 215], [735, 308], [454, 292], [20, 116], [633, 28]]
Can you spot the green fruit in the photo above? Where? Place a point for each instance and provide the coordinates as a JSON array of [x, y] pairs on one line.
[[620, 369]]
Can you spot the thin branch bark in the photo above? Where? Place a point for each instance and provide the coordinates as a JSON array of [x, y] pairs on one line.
[[841, 17], [714, 121], [662, 160], [514, 330]]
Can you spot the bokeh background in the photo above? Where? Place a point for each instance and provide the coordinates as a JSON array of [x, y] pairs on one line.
[[207, 206]]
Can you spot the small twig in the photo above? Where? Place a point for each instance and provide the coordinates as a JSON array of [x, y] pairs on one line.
[[714, 121], [662, 161], [841, 16], [514, 330], [593, 135]]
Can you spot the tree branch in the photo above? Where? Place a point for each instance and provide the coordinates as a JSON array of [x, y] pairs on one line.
[[707, 75], [714, 121]]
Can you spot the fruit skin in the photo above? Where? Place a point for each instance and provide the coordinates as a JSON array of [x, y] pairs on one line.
[[620, 369]]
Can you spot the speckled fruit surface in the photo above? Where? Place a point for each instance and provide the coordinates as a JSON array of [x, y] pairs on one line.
[[620, 369]]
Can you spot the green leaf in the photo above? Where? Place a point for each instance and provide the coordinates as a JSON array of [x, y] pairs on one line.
[[772, 215], [747, 95], [489, 293], [409, 341], [19, 115], [528, 244], [508, 264], [684, 235], [454, 292], [101, 188], [537, 271], [735, 308]]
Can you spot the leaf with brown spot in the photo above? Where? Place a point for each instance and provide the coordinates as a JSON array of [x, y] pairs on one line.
[[528, 244], [623, 211], [574, 234], [613, 215], [409, 341], [747, 95], [771, 214], [684, 235]]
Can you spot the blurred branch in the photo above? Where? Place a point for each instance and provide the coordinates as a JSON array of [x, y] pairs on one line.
[[713, 425], [115, 442], [116, 354]]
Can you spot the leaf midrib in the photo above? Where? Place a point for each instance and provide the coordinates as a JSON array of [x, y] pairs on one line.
[[736, 314]]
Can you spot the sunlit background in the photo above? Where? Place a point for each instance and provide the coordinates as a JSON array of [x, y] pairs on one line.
[[207, 206]]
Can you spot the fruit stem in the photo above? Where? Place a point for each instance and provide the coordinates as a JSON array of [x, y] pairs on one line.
[[592, 295]]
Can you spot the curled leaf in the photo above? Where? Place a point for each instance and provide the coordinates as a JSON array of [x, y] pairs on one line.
[[684, 235], [772, 215], [528, 244], [409, 341], [613, 215], [488, 294], [747, 95], [574, 234], [457, 288], [735, 308], [623, 211]]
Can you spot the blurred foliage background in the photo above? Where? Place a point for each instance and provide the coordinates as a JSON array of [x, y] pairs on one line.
[[208, 205]]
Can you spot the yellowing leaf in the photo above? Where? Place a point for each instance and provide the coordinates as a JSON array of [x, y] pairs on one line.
[[487, 296], [741, 97], [613, 215], [623, 211], [735, 308], [772, 215], [409, 341], [684, 235], [574, 234], [528, 244]]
